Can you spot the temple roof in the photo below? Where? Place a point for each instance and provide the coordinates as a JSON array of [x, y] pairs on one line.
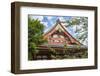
[[62, 23], [62, 26]]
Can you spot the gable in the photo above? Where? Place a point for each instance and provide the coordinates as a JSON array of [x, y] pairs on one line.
[[57, 29]]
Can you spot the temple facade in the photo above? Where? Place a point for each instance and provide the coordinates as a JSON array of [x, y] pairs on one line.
[[55, 48], [58, 35]]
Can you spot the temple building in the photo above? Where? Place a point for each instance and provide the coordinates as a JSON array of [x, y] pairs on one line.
[[58, 35]]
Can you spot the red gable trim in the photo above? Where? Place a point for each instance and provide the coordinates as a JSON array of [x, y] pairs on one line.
[[50, 30], [66, 32]]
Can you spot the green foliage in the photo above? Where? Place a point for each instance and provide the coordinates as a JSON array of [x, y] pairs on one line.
[[81, 24], [68, 53], [53, 56], [73, 22], [71, 54], [30, 56], [65, 48], [35, 35]]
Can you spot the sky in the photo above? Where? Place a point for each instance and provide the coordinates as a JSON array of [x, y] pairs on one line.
[[49, 21]]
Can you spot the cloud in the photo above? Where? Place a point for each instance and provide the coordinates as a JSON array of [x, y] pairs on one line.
[[45, 24], [61, 19], [50, 17], [46, 30], [71, 31], [37, 17], [45, 19]]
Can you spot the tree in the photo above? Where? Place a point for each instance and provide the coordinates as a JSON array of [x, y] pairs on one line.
[[80, 25], [35, 36]]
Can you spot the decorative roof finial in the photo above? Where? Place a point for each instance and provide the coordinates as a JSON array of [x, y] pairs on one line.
[[58, 20]]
